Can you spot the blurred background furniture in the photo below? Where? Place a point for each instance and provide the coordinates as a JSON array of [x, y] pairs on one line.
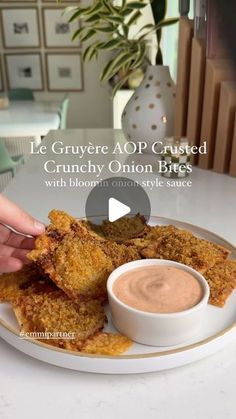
[[20, 93], [24, 122], [19, 145], [8, 165], [63, 112], [30, 119]]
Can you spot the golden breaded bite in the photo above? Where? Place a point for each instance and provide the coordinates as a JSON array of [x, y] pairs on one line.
[[158, 231], [11, 284], [222, 281], [80, 268], [61, 225], [151, 236], [125, 228], [40, 286], [106, 344], [182, 246], [119, 253], [95, 229], [76, 259], [72, 258], [54, 315]]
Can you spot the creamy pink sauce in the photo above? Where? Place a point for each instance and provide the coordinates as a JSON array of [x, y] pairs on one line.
[[158, 289]]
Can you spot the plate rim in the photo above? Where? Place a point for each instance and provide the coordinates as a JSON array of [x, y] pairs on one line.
[[185, 348]]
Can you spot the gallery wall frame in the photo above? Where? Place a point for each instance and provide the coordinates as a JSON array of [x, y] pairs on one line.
[[62, 1], [24, 70], [1, 76], [18, 1], [57, 31], [64, 71], [26, 27]]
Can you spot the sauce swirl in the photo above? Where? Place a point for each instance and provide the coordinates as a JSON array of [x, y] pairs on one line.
[[158, 289]]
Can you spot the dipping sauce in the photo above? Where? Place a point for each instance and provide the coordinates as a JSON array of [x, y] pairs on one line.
[[158, 289]]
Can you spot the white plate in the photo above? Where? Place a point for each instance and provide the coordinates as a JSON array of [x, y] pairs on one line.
[[217, 331]]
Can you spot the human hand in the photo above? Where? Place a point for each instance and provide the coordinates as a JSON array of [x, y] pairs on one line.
[[14, 245]]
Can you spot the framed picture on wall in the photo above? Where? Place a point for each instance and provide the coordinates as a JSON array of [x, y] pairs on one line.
[[18, 1], [1, 77], [62, 1], [20, 27], [24, 70], [57, 30], [64, 72]]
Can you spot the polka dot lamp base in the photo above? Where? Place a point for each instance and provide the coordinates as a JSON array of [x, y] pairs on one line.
[[149, 114]]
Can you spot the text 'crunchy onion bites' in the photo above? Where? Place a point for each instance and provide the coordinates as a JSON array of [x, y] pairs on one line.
[[54, 315], [222, 280], [106, 344]]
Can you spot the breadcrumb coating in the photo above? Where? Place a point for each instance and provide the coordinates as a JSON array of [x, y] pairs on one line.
[[119, 253], [125, 228], [76, 259], [49, 311], [106, 344], [158, 232], [151, 236], [182, 246], [61, 225], [54, 312], [11, 284], [95, 229], [81, 269], [222, 281]]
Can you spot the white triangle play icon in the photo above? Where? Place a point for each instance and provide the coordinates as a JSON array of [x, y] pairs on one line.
[[117, 209]]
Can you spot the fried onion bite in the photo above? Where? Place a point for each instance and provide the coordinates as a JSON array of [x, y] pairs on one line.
[[14, 284], [57, 319], [222, 280], [76, 260]]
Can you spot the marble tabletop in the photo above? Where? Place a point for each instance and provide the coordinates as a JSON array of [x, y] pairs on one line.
[[205, 389]]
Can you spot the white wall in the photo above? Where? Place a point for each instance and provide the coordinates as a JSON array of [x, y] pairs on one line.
[[93, 107]]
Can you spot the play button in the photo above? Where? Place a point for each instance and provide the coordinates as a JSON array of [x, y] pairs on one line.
[[117, 210], [117, 197]]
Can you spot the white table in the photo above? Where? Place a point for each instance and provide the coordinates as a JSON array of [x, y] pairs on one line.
[[29, 118], [203, 390]]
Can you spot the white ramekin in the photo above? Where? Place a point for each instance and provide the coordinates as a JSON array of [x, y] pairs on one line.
[[154, 329]]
